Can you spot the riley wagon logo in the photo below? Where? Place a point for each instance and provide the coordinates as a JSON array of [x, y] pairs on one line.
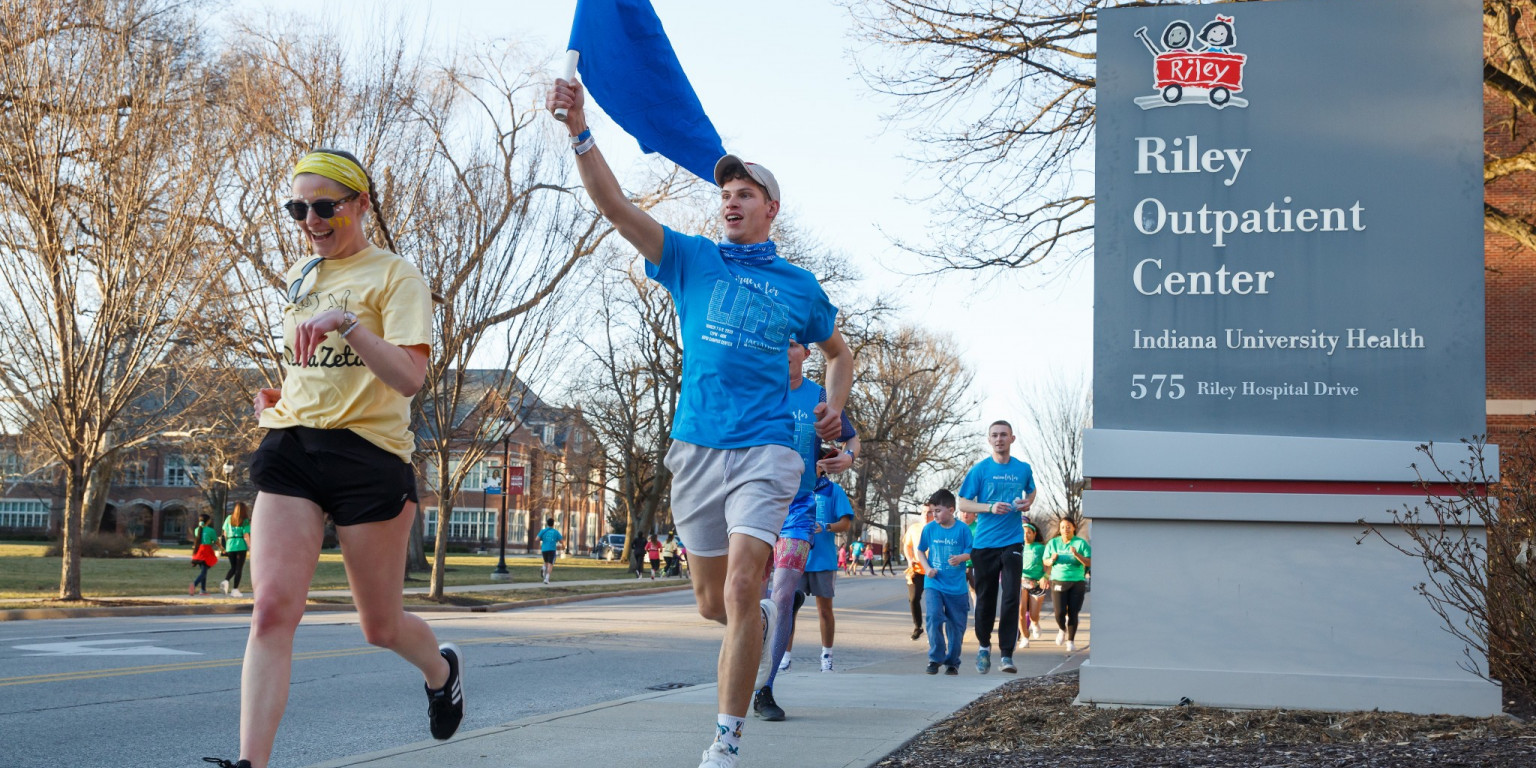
[[1195, 69]]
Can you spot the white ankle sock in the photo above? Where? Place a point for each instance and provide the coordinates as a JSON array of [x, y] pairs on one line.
[[728, 731], [826, 651]]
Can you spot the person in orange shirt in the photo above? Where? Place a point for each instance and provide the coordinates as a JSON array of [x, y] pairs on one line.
[[915, 574]]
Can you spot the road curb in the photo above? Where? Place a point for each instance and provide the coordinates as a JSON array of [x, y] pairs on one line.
[[170, 609]]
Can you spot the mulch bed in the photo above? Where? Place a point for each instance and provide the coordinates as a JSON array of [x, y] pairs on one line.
[[1032, 722]]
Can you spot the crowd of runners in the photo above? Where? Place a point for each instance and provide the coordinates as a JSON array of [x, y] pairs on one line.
[[755, 447]]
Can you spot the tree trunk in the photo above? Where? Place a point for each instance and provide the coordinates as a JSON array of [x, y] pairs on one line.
[[415, 550], [98, 486], [74, 501], [440, 550]]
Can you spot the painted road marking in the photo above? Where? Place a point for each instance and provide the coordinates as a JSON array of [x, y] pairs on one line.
[[101, 648]]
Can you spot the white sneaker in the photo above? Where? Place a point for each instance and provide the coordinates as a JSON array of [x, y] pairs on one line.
[[770, 623], [826, 662], [1071, 647], [718, 756], [784, 662], [1024, 642], [1061, 637], [1034, 632], [224, 586], [236, 593]]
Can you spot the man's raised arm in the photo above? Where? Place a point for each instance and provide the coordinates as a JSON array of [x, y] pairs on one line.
[[602, 186]]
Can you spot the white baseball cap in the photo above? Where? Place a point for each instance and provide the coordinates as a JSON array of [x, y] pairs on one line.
[[757, 173]]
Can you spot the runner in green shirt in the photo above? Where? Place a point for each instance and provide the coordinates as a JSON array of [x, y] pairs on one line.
[[237, 534], [1033, 584], [1068, 557]]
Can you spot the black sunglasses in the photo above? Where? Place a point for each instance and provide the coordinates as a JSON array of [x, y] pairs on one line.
[[299, 289], [325, 209]]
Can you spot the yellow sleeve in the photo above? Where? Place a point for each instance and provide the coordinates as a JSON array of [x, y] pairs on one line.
[[407, 310]]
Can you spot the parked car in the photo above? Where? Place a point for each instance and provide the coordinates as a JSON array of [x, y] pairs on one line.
[[609, 547]]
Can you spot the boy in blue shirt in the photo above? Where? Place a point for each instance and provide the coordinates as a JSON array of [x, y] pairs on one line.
[[733, 462], [942, 551], [998, 490], [549, 542]]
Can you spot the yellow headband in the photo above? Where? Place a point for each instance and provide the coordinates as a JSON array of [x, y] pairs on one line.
[[333, 167]]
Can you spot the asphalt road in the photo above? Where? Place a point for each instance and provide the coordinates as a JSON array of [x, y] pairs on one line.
[[164, 691]]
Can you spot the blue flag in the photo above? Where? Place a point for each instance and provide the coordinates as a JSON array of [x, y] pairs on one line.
[[628, 66]]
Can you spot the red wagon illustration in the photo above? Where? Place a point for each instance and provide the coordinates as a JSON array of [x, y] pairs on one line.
[[1217, 75]]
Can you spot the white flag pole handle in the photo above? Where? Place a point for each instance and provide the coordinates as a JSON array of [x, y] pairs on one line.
[[569, 76]]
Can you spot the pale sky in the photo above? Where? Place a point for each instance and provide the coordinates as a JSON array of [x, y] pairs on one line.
[[778, 81]]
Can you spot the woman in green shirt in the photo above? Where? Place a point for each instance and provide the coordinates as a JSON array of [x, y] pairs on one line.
[[237, 533], [204, 536], [1033, 584], [1068, 557]]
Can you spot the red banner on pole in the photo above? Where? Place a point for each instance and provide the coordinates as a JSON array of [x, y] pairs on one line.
[[515, 481]]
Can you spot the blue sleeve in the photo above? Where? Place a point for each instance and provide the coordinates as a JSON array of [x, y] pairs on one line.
[[1029, 481], [924, 542], [965, 539], [848, 432], [844, 507], [675, 251], [820, 316], [970, 488]]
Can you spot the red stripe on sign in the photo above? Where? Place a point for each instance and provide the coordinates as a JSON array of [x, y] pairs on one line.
[[1279, 486]]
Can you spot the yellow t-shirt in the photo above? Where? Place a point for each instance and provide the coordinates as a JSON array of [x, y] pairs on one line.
[[336, 390]]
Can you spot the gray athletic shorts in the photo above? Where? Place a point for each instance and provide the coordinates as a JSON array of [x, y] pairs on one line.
[[819, 583], [717, 492]]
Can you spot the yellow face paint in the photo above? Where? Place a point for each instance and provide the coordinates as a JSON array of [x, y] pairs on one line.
[[339, 221]]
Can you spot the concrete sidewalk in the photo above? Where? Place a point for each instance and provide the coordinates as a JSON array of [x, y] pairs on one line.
[[217, 597], [848, 719]]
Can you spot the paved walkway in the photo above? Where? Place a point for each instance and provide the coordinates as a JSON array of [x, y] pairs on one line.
[[215, 597], [848, 719]]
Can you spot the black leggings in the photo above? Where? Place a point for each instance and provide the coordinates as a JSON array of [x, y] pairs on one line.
[[915, 596], [236, 568], [1067, 601], [997, 581]]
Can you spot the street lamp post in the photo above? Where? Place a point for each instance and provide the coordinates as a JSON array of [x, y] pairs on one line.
[[501, 573], [229, 469]]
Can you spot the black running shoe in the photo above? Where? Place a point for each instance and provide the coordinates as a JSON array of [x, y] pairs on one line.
[[951, 670], [933, 668], [222, 763], [445, 706], [765, 707]]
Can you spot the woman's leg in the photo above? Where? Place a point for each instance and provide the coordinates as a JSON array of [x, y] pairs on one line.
[[239, 571], [1075, 592], [1058, 605], [915, 597], [287, 548], [374, 554], [786, 579], [201, 582]]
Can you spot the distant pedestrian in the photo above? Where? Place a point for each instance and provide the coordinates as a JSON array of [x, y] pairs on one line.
[[842, 559], [915, 574], [549, 547], [669, 555], [942, 550], [834, 515], [887, 561], [653, 554], [1068, 558], [235, 543], [855, 556], [1033, 586], [204, 536], [869, 559]]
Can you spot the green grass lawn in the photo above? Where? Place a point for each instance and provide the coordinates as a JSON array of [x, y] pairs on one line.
[[26, 573]]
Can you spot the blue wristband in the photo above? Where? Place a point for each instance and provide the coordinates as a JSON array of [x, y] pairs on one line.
[[580, 137]]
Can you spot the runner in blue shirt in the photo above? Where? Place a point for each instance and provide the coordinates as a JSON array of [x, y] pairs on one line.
[[549, 544], [999, 490], [738, 303]]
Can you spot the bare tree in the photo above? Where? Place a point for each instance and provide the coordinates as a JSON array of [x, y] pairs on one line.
[[1001, 96], [1051, 439], [912, 403], [101, 104]]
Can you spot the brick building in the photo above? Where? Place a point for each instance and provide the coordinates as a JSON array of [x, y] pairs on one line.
[[1510, 270]]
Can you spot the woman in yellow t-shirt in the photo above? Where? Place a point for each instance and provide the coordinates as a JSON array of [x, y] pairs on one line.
[[357, 329]]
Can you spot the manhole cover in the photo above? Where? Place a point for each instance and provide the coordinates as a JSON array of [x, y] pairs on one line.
[[669, 686]]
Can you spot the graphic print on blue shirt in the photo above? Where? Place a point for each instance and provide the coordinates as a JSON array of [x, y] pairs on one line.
[[548, 538], [736, 321], [938, 544], [831, 506], [990, 482]]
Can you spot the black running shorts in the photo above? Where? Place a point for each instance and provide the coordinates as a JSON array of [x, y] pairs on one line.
[[548, 555], [351, 479]]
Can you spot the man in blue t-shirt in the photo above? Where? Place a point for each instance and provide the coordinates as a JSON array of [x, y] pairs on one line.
[[733, 460], [549, 543], [998, 490], [834, 515], [794, 544]]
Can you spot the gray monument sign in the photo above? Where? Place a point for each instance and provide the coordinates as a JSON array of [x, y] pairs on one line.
[[1288, 272]]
